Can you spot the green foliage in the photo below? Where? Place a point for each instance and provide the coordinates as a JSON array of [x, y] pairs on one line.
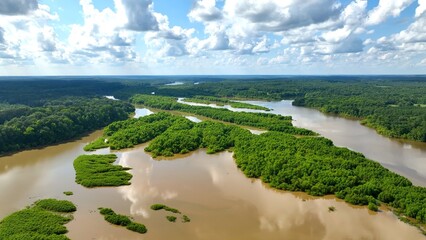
[[128, 133], [223, 101], [266, 121], [68, 193], [331, 209], [97, 144], [60, 120], [98, 170], [157, 207], [137, 227], [185, 219], [40, 221], [121, 220], [316, 166], [373, 207], [171, 218], [54, 205]]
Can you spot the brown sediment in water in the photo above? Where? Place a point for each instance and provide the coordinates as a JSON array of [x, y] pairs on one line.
[[221, 202]]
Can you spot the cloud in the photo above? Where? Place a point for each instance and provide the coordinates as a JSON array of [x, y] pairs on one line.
[[386, 9], [139, 13], [421, 9], [278, 15], [205, 11], [17, 7], [2, 35]]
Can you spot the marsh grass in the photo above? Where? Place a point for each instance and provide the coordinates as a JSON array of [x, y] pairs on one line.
[[68, 193], [122, 220], [97, 144], [43, 220], [98, 171], [171, 218], [157, 207]]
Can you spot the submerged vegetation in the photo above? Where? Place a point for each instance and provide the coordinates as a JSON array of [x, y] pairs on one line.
[[43, 220], [171, 218], [121, 220], [223, 101], [98, 170]]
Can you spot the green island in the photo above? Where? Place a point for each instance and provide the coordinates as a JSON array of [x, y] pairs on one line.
[[157, 207], [294, 163], [45, 219], [267, 121], [68, 193], [121, 220], [171, 218], [99, 171], [223, 102]]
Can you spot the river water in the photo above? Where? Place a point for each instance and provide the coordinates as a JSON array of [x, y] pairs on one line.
[[221, 202]]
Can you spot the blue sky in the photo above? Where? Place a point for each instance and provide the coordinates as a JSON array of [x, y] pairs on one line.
[[162, 37]]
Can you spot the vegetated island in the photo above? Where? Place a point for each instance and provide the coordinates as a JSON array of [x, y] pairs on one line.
[[45, 219], [223, 101], [308, 164], [98, 171], [157, 207], [122, 220]]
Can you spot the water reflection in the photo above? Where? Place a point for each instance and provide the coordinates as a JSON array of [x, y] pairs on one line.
[[404, 157]]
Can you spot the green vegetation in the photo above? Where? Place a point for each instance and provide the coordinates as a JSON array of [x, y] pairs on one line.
[[44, 220], [137, 227], [394, 106], [56, 205], [98, 170], [57, 121], [266, 121], [223, 101], [68, 193], [157, 207], [316, 166], [97, 144], [185, 219], [171, 218], [373, 207], [121, 220], [331, 209]]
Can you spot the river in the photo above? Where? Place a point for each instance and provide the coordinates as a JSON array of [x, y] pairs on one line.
[[221, 202]]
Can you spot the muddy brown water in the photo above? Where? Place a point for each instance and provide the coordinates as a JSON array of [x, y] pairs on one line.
[[221, 202]]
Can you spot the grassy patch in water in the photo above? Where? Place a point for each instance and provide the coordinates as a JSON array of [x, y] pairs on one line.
[[185, 219], [43, 220], [54, 205], [68, 193], [171, 218], [122, 220], [98, 171], [97, 144], [157, 207]]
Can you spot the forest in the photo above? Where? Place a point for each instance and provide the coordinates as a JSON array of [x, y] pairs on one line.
[[265, 121], [308, 164], [56, 121]]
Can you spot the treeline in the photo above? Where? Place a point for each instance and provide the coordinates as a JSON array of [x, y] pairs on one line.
[[59, 120], [265, 121], [223, 101], [395, 106]]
